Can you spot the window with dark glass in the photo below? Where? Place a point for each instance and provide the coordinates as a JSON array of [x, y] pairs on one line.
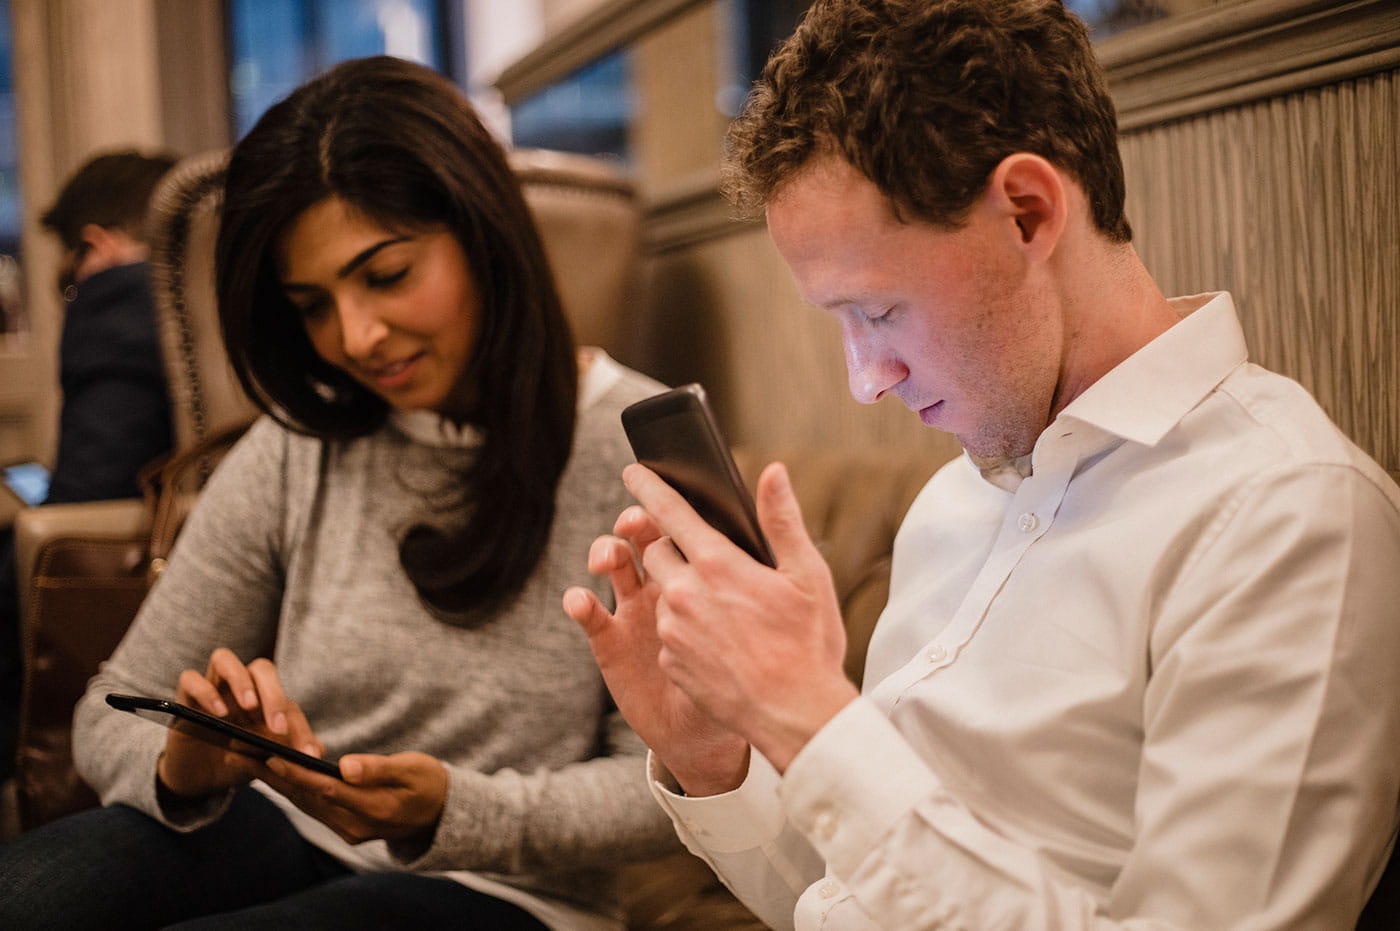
[[275, 45], [587, 112], [1107, 17]]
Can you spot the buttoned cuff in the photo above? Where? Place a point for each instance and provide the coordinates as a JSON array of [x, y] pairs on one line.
[[852, 782], [742, 819]]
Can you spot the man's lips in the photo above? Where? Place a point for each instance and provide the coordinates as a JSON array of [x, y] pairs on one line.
[[929, 415]]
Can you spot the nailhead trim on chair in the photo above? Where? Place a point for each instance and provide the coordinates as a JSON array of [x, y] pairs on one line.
[[171, 212]]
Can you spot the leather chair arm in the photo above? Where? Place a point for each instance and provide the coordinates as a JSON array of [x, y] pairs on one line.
[[124, 517]]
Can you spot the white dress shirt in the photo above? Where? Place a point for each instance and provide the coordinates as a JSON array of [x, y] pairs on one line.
[[1156, 685]]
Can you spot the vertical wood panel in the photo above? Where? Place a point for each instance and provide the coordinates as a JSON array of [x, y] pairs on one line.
[[1291, 203]]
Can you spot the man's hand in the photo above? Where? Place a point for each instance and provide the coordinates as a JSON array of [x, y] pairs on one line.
[[757, 652], [397, 797], [706, 759]]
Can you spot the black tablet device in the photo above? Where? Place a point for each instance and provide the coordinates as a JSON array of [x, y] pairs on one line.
[[216, 730]]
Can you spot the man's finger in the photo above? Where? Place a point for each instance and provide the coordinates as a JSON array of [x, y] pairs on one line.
[[672, 514], [662, 559], [615, 558], [780, 516], [585, 608], [636, 524]]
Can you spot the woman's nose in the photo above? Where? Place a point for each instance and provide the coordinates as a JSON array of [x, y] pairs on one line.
[[361, 330]]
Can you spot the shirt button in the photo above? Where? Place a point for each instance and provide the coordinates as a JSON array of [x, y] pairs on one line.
[[826, 825], [1027, 522], [829, 889], [937, 655]]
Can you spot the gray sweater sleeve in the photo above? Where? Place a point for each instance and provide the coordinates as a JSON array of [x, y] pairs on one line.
[[221, 589]]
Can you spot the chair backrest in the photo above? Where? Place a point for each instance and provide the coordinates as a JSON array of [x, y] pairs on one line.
[[586, 211]]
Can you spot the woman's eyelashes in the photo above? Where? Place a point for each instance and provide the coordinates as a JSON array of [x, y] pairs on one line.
[[386, 280], [315, 307]]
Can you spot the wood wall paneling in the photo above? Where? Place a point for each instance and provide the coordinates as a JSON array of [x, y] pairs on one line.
[[678, 130], [1291, 203]]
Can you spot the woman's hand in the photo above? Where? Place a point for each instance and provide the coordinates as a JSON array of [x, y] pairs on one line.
[[196, 763], [398, 797]]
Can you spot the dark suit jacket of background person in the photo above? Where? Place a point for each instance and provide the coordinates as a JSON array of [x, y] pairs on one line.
[[116, 406], [115, 419]]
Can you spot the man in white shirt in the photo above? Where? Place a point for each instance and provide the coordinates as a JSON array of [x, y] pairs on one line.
[[1137, 668]]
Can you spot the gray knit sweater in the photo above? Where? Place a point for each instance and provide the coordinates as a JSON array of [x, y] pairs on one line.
[[291, 552]]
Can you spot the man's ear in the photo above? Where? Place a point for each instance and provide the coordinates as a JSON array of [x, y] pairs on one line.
[[1029, 191], [106, 248]]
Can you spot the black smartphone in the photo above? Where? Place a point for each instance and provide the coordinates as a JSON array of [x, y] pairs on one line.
[[675, 434], [215, 730]]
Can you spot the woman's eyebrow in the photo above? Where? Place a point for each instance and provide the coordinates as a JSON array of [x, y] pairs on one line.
[[367, 254], [350, 266]]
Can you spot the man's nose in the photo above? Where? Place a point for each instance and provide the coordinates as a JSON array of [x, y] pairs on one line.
[[871, 367]]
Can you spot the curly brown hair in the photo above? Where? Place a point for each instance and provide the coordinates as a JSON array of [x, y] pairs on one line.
[[925, 98]]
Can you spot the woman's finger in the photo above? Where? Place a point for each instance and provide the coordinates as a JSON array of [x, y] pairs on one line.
[[227, 671], [195, 690], [270, 694]]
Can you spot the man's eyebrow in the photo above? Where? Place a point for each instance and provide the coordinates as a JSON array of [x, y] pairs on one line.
[[836, 302], [359, 259]]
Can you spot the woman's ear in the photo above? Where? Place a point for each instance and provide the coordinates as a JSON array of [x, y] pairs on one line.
[[1030, 193]]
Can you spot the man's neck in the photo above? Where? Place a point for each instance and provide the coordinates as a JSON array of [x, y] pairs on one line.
[[1112, 309]]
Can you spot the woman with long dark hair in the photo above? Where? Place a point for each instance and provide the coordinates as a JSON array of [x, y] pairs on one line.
[[373, 573]]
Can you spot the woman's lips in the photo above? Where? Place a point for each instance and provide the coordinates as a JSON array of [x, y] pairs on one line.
[[395, 374]]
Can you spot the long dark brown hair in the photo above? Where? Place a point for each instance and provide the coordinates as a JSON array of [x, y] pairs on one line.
[[398, 142]]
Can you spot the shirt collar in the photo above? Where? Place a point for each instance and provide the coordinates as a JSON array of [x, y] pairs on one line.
[[1148, 393]]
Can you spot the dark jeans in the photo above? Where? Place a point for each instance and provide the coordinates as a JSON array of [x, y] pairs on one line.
[[114, 867]]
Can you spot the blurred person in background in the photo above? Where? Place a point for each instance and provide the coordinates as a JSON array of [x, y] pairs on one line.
[[115, 416]]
